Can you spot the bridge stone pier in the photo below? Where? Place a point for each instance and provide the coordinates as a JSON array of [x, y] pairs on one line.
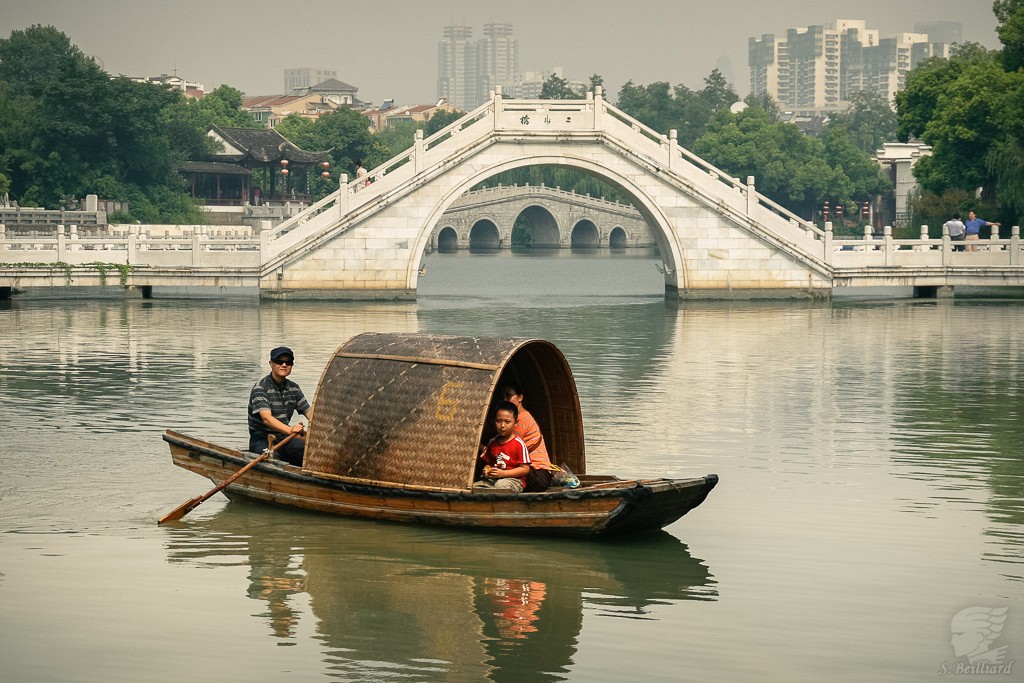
[[718, 237], [484, 219]]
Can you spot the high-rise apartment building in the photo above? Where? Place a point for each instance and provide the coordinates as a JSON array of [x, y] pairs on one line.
[[457, 68], [306, 77], [467, 69], [499, 58], [817, 69]]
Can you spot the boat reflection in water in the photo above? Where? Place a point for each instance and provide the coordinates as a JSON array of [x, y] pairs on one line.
[[432, 602]]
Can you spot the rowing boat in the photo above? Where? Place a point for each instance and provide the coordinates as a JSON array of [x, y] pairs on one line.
[[395, 433]]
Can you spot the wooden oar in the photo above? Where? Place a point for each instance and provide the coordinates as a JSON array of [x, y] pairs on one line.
[[190, 505]]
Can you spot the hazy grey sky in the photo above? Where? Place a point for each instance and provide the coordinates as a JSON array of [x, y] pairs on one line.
[[389, 48]]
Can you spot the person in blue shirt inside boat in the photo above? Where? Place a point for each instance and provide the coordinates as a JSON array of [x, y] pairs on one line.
[[505, 457], [272, 402]]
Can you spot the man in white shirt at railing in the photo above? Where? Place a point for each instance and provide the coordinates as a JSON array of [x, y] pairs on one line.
[[956, 230]]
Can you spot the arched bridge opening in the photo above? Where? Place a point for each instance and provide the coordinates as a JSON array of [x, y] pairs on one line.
[[484, 236], [585, 235], [617, 239], [536, 228], [447, 240]]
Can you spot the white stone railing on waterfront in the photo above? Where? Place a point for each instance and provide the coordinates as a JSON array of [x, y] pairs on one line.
[[194, 246], [205, 246], [872, 251]]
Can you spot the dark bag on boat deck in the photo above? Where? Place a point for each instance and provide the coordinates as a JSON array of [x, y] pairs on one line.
[[538, 480]]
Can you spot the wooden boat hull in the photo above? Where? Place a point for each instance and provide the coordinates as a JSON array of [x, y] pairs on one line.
[[601, 506]]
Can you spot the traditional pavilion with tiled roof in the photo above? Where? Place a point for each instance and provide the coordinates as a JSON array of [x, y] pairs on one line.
[[250, 158]]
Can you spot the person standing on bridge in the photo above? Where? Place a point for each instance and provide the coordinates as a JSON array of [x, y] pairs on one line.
[[956, 230], [272, 402], [362, 176], [973, 226]]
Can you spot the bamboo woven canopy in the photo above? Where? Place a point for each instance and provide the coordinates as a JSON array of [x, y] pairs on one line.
[[413, 409]]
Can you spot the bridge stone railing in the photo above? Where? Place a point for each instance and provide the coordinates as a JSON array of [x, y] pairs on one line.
[[673, 153], [873, 251], [506, 192], [202, 247]]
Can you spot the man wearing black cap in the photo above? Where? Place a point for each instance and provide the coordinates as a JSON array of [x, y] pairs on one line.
[[272, 402]]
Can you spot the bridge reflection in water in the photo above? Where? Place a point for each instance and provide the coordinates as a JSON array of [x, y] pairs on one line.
[[414, 601]]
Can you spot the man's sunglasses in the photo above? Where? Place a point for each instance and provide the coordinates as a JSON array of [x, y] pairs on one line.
[[283, 361]]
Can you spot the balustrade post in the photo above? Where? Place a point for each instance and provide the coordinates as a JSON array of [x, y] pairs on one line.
[[3, 239], [946, 243], [995, 238], [598, 107], [265, 242], [673, 148], [924, 239], [828, 242], [197, 245], [751, 196], [867, 239], [1014, 245], [132, 258], [417, 151], [887, 244], [73, 237], [496, 99], [61, 244], [342, 195]]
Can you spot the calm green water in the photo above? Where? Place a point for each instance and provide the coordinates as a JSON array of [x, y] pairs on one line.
[[872, 487]]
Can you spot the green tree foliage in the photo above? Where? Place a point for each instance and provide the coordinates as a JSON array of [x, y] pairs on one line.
[[395, 139], [556, 88], [441, 119], [970, 109], [870, 121], [765, 103], [68, 129], [1010, 15], [933, 209], [687, 111], [346, 133], [793, 169]]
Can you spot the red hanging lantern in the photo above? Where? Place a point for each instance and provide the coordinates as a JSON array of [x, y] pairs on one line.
[[325, 165], [325, 175], [284, 162], [284, 171]]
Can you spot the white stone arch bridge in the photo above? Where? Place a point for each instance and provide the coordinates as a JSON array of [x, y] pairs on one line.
[[718, 237]]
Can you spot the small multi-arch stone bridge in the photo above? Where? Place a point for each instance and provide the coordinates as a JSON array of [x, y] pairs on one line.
[[553, 218], [717, 236]]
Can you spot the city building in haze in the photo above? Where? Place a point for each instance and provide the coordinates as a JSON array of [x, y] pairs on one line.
[[189, 88], [305, 77], [469, 70], [457, 68], [499, 58], [817, 69]]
